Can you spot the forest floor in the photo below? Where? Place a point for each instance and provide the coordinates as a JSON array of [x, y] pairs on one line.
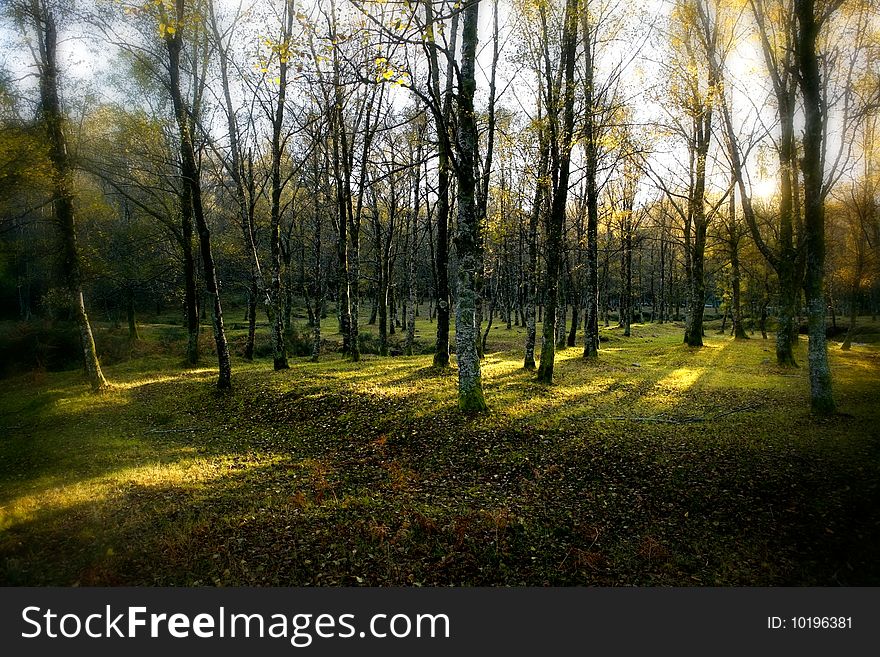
[[660, 465]]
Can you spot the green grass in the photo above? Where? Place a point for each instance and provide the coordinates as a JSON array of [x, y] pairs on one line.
[[660, 465]]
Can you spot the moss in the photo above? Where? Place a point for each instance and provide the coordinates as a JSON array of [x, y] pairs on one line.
[[472, 401]]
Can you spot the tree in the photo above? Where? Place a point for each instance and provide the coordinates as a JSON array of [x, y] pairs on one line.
[[732, 237], [440, 105], [858, 204], [282, 49], [172, 28], [240, 170], [531, 279], [42, 21], [807, 66], [560, 137], [470, 388], [591, 133], [786, 259]]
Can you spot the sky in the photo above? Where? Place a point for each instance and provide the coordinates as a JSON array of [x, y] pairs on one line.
[[86, 65]]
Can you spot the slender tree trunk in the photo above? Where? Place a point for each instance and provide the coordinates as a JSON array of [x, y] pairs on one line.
[[237, 171], [287, 287], [62, 183], [191, 298], [532, 266], [765, 301], [470, 388], [626, 297], [374, 310], [133, 335], [383, 312], [856, 286], [561, 145], [276, 294], [316, 329], [561, 323], [192, 201], [694, 331], [739, 331], [821, 398], [662, 292], [252, 320], [442, 209], [485, 337], [413, 223], [575, 318]]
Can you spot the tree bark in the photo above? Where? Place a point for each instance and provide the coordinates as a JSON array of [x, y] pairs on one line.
[[470, 388], [561, 145], [133, 335], [591, 311], [192, 197], [532, 265], [821, 398], [441, 120], [62, 184], [626, 294]]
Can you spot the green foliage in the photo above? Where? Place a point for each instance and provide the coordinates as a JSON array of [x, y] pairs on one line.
[[299, 340]]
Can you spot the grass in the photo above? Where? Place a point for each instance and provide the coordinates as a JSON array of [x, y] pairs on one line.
[[660, 465]]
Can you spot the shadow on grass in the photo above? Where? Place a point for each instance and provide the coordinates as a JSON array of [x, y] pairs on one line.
[[320, 475], [345, 488]]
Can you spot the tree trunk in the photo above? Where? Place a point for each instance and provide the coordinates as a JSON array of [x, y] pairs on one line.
[[470, 388], [662, 292], [626, 294], [739, 331], [133, 335], [191, 299], [532, 265], [383, 312], [252, 320], [853, 315], [276, 290], [561, 323], [821, 398], [591, 311], [694, 330], [561, 145], [192, 199], [441, 119], [62, 183], [412, 307], [765, 301], [575, 318]]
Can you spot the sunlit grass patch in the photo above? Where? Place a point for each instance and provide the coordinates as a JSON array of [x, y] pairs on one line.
[[656, 464], [182, 473]]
